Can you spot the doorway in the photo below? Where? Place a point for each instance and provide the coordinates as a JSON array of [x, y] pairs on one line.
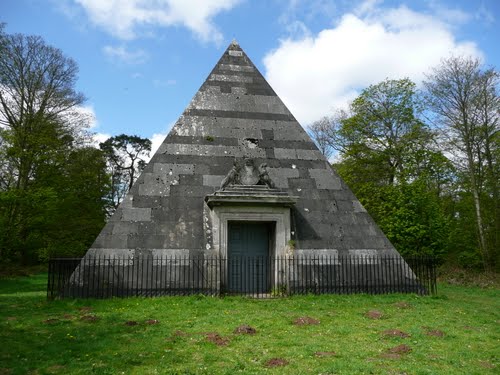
[[249, 262]]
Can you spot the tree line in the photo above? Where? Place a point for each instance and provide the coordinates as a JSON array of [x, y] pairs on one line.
[[57, 186], [425, 162]]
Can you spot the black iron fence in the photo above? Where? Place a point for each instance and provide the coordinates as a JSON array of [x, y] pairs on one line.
[[105, 276]]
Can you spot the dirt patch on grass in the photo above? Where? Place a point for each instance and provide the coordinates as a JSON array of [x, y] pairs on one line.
[[305, 320], [469, 328], [11, 318], [390, 355], [68, 316], [433, 332], [325, 354], [486, 364], [245, 330], [152, 322], [374, 314], [400, 349], [131, 323], [5, 371], [89, 318], [179, 333], [51, 321], [56, 369], [395, 333], [276, 362], [403, 305], [85, 308], [217, 339]]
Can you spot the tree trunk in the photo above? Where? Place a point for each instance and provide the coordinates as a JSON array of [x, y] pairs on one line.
[[477, 209]]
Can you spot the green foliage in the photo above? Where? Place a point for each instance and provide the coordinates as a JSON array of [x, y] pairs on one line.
[[91, 336], [51, 184], [62, 212], [388, 162], [384, 129], [413, 220], [470, 260]]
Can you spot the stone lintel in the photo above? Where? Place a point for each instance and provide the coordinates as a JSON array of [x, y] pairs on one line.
[[253, 200], [250, 195]]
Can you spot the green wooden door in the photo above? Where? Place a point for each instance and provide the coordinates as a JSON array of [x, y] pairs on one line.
[[248, 252]]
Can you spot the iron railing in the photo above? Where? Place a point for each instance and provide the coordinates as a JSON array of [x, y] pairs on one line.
[[107, 276]]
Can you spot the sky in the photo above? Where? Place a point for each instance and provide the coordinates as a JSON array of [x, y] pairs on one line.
[[141, 61]]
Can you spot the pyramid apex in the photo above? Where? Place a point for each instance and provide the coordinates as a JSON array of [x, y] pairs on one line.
[[234, 42]]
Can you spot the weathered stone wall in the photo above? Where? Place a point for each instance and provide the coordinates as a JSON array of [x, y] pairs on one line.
[[236, 114]]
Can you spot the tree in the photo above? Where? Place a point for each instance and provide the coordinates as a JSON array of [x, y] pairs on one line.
[[389, 160], [465, 101], [385, 126], [36, 92], [126, 159], [40, 128]]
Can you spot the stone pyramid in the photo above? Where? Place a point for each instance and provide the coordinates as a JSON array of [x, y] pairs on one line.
[[236, 132]]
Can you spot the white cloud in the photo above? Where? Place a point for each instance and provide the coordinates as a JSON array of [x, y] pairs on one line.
[[158, 138], [122, 55], [122, 18], [87, 112], [93, 124], [330, 68], [156, 141], [100, 138]]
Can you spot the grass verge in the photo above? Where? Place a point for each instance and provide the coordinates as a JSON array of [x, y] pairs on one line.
[[456, 332]]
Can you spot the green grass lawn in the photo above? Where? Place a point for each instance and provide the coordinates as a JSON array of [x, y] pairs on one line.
[[457, 332]]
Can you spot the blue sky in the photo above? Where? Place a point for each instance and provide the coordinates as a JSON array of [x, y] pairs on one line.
[[141, 61]]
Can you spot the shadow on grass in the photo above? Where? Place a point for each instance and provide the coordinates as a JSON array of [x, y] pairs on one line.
[[64, 336], [27, 284], [66, 342]]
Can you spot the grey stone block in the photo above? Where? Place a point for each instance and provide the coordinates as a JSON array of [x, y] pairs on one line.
[[325, 179], [309, 154], [136, 214], [230, 78], [280, 176], [111, 241], [125, 228], [236, 68], [149, 241], [285, 153], [173, 169], [209, 180]]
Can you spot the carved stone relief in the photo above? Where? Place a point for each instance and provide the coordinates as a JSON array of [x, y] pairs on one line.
[[246, 173]]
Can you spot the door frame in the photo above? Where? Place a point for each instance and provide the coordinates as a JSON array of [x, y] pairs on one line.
[[280, 216]]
